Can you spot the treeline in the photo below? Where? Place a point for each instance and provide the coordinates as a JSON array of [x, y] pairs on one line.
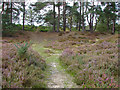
[[81, 16]]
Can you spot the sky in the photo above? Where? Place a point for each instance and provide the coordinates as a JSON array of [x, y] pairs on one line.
[[43, 12], [33, 1]]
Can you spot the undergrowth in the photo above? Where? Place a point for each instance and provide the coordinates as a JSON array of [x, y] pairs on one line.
[[25, 73], [92, 58]]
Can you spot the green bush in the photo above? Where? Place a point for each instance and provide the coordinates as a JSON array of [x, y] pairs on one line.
[[117, 28], [43, 30], [22, 49], [101, 28], [30, 28]]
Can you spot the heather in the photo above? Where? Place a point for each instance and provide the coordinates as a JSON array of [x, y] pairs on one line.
[[91, 58], [25, 72], [73, 59], [59, 44]]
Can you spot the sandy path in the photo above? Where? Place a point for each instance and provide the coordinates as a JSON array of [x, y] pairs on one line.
[[57, 76], [41, 36]]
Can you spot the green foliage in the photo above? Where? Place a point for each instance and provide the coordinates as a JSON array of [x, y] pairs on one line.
[[5, 21], [22, 49], [8, 33], [30, 28], [117, 27], [119, 46], [101, 27], [49, 18], [44, 28], [11, 29], [6, 16]]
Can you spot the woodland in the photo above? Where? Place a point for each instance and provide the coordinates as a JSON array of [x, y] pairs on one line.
[[59, 44]]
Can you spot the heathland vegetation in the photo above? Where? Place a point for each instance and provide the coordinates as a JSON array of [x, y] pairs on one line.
[[60, 44]]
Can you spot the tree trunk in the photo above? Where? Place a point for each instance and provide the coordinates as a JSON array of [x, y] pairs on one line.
[[77, 25], [3, 13], [92, 19], [108, 25], [64, 16], [3, 6], [23, 15], [70, 23], [96, 23], [31, 21], [91, 29], [91, 23], [7, 7], [11, 12], [58, 26], [80, 18], [83, 25], [54, 16], [97, 20], [113, 29]]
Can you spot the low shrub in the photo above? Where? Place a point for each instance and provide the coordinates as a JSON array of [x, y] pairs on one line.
[[43, 30], [25, 73], [93, 64], [22, 49]]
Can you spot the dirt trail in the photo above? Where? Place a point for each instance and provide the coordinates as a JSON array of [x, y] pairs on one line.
[[57, 76], [41, 36]]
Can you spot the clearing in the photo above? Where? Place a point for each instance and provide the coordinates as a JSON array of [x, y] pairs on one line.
[[57, 77]]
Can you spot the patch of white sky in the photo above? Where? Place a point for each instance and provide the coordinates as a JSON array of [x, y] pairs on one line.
[[45, 10], [50, 7]]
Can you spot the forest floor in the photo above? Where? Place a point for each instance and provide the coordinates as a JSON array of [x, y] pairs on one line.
[[75, 59]]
